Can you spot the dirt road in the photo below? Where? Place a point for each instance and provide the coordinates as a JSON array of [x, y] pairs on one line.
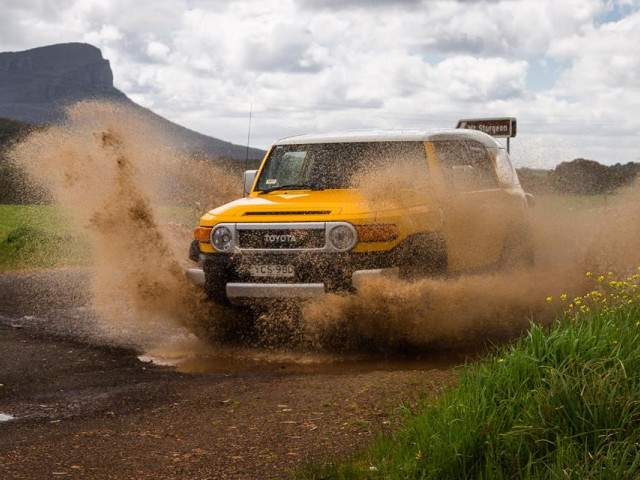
[[81, 408]]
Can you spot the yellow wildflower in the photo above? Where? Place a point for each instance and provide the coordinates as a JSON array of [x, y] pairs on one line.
[[563, 296], [549, 299]]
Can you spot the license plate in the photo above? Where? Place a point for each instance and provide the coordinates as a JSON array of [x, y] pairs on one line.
[[272, 270]]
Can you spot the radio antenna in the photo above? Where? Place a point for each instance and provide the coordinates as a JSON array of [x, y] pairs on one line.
[[246, 157]]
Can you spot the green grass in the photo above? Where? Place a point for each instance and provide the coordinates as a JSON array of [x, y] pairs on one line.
[[47, 236], [573, 201], [39, 236], [560, 403], [185, 215]]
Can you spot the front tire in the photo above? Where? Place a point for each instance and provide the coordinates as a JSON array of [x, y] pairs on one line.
[[215, 286], [518, 249], [422, 255]]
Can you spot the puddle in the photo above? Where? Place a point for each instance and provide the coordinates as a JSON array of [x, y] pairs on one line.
[[309, 364], [165, 362], [5, 417], [188, 354], [244, 360]]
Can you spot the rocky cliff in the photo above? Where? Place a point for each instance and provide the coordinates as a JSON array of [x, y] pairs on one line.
[[36, 84]]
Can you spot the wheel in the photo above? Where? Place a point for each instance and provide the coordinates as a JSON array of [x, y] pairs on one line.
[[518, 249], [215, 286], [422, 255]]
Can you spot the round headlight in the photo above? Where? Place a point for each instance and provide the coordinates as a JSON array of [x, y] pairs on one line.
[[342, 237], [222, 238]]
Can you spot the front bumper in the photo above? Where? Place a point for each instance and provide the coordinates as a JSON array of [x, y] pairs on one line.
[[288, 290], [196, 275], [274, 290]]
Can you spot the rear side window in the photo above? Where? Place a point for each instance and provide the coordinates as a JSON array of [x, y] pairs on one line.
[[465, 165]]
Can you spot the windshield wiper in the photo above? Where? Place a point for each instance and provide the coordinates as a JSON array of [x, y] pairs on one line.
[[295, 186]]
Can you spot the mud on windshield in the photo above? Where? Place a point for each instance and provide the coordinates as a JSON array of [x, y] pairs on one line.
[[334, 165]]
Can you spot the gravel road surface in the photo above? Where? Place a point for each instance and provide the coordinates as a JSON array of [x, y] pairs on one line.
[[73, 406]]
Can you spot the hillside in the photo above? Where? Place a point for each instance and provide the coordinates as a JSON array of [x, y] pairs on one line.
[[10, 130], [36, 84]]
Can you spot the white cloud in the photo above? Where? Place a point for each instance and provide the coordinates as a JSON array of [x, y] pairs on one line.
[[472, 79], [107, 34], [309, 65], [158, 51]]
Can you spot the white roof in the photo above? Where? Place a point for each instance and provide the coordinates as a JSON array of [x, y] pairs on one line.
[[354, 136]]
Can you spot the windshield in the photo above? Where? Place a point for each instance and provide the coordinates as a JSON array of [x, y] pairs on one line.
[[333, 165]]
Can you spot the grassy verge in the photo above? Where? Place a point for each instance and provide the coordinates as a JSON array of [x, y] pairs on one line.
[[563, 402], [46, 236], [39, 236]]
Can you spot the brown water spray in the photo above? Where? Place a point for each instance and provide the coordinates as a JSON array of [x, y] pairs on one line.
[[476, 309], [116, 173]]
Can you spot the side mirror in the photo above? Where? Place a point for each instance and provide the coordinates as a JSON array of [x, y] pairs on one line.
[[249, 178]]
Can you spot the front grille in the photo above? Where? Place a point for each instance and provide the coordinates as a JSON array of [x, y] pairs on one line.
[[281, 238]]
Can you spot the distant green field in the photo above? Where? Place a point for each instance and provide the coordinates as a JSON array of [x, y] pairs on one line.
[[39, 236], [575, 201], [47, 236]]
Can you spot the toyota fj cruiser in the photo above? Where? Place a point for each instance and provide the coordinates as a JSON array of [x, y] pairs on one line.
[[306, 227]]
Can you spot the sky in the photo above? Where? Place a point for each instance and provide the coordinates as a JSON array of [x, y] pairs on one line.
[[568, 70]]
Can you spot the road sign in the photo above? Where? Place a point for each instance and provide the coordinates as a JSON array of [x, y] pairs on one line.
[[496, 127]]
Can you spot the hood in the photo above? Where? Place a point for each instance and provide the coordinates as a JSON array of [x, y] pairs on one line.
[[317, 205]]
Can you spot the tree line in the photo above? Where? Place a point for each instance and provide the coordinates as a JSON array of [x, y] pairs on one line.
[[579, 176]]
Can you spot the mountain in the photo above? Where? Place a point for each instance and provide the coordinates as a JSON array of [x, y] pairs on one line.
[[10, 130], [36, 84]]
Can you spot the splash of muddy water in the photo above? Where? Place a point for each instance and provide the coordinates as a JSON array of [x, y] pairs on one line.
[[462, 311], [117, 172]]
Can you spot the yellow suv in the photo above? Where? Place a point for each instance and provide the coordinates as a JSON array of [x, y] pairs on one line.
[[325, 211]]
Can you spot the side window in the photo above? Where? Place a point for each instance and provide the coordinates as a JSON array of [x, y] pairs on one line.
[[465, 165]]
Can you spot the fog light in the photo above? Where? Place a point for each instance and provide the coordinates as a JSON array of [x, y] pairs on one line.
[[222, 238]]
